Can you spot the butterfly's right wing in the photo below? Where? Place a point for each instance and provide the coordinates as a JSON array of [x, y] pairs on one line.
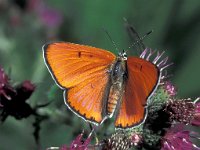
[[143, 78], [83, 72]]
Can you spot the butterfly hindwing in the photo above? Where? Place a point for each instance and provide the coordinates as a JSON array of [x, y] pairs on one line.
[[88, 98], [142, 80], [83, 72]]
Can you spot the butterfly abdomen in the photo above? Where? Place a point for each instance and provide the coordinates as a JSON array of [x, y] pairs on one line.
[[117, 87], [112, 100]]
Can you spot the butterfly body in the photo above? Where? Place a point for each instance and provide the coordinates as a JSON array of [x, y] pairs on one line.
[[98, 84], [118, 76]]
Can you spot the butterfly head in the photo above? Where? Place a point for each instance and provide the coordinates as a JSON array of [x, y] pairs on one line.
[[122, 55]]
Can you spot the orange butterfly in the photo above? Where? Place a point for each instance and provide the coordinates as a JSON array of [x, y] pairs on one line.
[[98, 84]]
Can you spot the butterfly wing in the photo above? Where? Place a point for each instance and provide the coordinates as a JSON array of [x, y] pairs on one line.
[[83, 72], [142, 80]]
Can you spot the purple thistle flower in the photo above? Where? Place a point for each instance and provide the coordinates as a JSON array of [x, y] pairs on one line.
[[184, 111], [196, 120], [170, 88], [5, 88], [177, 138], [25, 90], [50, 17], [13, 99], [160, 63], [136, 139], [17, 106], [78, 143], [181, 110]]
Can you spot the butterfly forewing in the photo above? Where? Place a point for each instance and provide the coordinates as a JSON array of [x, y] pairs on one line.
[[83, 71], [141, 81], [71, 64]]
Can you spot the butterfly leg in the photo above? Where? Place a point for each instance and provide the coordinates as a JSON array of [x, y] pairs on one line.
[[92, 128], [106, 117]]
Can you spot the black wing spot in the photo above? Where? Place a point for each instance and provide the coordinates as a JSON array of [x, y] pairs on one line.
[[79, 54], [138, 67], [141, 68]]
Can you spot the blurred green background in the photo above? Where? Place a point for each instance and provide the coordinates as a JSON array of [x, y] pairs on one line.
[[25, 25]]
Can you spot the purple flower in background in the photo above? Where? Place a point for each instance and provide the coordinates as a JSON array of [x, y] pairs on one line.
[[177, 138], [25, 90], [5, 88], [196, 120], [170, 88], [50, 17], [13, 99]]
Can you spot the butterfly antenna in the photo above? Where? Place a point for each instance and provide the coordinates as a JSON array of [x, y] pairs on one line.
[[113, 42], [141, 39]]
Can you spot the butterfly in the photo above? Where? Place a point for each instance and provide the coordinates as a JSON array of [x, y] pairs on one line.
[[98, 84]]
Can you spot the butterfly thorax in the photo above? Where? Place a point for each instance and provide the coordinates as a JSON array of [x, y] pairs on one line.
[[118, 73]]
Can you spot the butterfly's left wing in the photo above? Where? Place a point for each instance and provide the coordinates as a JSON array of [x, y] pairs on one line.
[[142, 80], [83, 72]]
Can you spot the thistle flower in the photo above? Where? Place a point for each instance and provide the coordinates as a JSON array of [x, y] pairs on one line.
[[48, 16], [25, 90], [5, 87], [196, 120], [177, 138], [117, 141], [180, 110], [136, 139], [14, 99], [78, 143], [122, 141], [170, 88]]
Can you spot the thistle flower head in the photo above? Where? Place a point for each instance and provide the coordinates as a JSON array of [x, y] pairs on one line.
[[120, 141], [136, 139], [14, 99], [196, 120], [50, 17], [176, 138], [25, 90], [3, 78], [78, 143], [161, 63], [180, 110], [170, 88], [5, 88]]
